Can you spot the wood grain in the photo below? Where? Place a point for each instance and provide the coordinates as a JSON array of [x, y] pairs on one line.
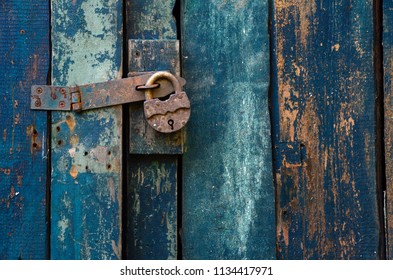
[[228, 194], [86, 185], [152, 229], [324, 133], [24, 61], [388, 115]]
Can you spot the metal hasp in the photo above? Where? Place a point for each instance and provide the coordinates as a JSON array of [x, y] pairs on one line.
[[98, 95]]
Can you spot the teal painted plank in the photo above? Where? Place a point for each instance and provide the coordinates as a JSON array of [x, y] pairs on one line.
[[152, 189], [388, 113], [158, 55], [152, 213], [86, 185], [324, 135], [24, 61], [228, 194]]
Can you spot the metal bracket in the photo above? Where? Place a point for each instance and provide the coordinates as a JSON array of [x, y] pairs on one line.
[[97, 95]]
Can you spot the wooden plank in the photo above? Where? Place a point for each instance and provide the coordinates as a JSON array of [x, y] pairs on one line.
[[152, 189], [86, 147], [24, 61], [228, 194], [152, 231], [388, 116], [145, 55], [324, 133]]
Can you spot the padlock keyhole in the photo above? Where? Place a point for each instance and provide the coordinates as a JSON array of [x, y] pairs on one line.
[[171, 123]]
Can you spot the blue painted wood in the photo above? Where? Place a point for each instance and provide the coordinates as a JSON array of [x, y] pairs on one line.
[[24, 61], [228, 193], [152, 184], [324, 134], [152, 213], [388, 115], [86, 185], [157, 55]]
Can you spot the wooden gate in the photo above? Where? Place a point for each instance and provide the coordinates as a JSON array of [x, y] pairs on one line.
[[287, 153]]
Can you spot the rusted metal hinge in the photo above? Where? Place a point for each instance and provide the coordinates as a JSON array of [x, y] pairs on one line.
[[98, 95]]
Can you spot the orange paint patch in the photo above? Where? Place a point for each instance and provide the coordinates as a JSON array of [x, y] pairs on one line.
[[74, 172], [70, 120]]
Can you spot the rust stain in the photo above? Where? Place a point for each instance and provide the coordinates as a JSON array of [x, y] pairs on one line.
[[70, 120], [74, 172], [336, 47], [19, 180], [6, 171], [17, 119], [35, 67]]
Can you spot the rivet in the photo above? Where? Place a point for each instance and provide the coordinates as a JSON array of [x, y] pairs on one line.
[[37, 103], [39, 90], [61, 104]]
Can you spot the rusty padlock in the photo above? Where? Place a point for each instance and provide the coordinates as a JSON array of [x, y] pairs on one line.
[[169, 115]]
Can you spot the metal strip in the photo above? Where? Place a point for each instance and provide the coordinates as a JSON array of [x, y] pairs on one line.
[[97, 95]]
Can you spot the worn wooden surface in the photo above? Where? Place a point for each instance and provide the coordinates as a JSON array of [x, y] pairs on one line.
[[324, 133], [228, 194], [388, 93], [145, 55], [86, 147], [24, 60], [152, 188]]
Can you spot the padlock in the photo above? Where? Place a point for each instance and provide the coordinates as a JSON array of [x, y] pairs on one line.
[[169, 115]]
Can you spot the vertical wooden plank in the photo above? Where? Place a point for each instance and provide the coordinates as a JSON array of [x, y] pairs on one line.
[[152, 188], [86, 147], [324, 137], [228, 194], [24, 61], [388, 113]]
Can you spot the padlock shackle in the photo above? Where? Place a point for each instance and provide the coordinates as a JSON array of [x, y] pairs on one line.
[[161, 75]]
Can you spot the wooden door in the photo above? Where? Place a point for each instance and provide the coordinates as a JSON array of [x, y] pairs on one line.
[[286, 155]]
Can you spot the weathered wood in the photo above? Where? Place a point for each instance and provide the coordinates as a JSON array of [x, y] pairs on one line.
[[152, 231], [152, 188], [388, 116], [24, 61], [228, 206], [324, 133], [145, 55], [86, 147]]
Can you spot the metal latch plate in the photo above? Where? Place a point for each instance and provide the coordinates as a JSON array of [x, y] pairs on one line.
[[97, 95]]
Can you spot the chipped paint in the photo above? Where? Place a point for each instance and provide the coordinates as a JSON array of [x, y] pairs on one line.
[[152, 19], [323, 88], [63, 226], [74, 171], [24, 60], [86, 147], [91, 56], [228, 189]]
